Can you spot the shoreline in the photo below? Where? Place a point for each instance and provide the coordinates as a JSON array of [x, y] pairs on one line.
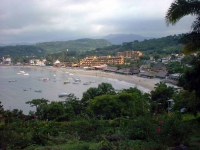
[[144, 83]]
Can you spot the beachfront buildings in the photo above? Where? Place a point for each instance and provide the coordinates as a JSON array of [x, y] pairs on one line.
[[129, 54], [101, 60], [37, 62], [6, 61]]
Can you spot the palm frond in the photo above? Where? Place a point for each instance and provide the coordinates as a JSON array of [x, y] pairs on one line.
[[181, 8], [190, 37], [196, 24], [191, 48]]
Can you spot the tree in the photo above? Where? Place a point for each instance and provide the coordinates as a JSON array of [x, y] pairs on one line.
[[73, 102], [37, 102], [186, 99], [103, 88], [121, 105], [160, 95], [106, 88], [179, 9]]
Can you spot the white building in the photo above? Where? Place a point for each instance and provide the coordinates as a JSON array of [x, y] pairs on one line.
[[37, 62]]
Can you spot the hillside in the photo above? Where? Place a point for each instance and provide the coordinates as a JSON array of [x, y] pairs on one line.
[[21, 50], [121, 38], [167, 44], [73, 45]]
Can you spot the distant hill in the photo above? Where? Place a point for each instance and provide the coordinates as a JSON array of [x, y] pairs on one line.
[[73, 45], [169, 44], [121, 38], [21, 51]]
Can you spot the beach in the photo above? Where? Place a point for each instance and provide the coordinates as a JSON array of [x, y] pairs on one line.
[[142, 83], [14, 96]]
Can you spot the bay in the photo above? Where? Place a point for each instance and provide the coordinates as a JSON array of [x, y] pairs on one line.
[[13, 96]]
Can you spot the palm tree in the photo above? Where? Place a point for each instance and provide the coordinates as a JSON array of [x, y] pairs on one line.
[[179, 9]]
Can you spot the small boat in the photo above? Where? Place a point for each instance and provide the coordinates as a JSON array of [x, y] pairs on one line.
[[45, 79], [66, 82], [77, 81], [22, 72], [71, 74], [12, 80], [26, 89], [26, 74], [86, 83], [38, 91], [62, 95]]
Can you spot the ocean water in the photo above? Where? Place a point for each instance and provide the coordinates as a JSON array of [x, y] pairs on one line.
[[14, 96]]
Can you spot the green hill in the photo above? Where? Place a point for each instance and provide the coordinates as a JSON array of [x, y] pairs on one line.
[[169, 44], [73, 45], [21, 51]]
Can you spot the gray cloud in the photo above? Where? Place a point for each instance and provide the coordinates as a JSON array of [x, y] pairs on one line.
[[52, 20]]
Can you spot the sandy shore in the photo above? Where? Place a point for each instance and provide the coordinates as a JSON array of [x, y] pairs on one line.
[[133, 79]]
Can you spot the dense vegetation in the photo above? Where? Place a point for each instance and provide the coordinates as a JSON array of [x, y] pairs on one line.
[[86, 47], [21, 51], [73, 45], [164, 45], [103, 120]]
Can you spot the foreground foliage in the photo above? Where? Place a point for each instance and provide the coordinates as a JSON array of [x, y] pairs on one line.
[[109, 121]]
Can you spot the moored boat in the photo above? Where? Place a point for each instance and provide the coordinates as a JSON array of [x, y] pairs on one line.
[[86, 83], [38, 91], [62, 95], [12, 80], [66, 82]]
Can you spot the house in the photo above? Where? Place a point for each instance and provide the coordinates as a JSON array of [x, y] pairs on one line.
[[161, 74], [37, 62], [110, 69], [6, 61], [134, 70], [125, 71], [147, 74], [159, 67]]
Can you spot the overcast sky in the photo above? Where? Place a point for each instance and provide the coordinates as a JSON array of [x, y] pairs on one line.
[[54, 20]]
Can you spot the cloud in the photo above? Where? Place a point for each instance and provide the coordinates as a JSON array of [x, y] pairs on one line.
[[47, 20]]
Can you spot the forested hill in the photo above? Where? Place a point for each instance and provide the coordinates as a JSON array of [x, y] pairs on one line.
[[74, 45], [41, 49], [21, 51], [168, 44]]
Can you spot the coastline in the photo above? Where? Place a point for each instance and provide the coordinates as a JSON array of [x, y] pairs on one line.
[[143, 83]]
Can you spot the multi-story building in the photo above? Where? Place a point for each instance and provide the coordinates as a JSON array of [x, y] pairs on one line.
[[130, 54], [101, 60], [6, 61], [37, 62]]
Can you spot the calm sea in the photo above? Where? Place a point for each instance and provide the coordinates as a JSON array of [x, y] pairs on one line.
[[12, 94]]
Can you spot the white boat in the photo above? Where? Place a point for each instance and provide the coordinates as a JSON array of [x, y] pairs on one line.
[[71, 74], [62, 95], [26, 74], [77, 81], [22, 72]]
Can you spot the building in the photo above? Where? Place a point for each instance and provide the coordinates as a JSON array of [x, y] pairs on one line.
[[101, 60], [158, 67], [37, 62], [129, 54], [6, 61]]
